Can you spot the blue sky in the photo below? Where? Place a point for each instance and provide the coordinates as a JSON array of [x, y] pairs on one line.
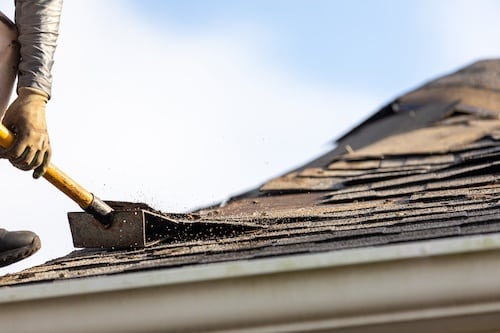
[[181, 104], [386, 45]]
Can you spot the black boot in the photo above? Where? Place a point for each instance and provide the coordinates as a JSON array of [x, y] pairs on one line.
[[17, 245]]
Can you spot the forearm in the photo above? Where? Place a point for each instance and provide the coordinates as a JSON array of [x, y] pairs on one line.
[[37, 22]]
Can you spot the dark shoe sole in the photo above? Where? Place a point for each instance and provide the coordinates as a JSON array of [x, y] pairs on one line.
[[15, 255]]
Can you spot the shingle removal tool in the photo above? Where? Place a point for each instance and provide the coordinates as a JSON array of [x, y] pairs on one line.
[[112, 224]]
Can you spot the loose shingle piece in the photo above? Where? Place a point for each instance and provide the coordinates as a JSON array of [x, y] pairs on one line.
[[424, 167]]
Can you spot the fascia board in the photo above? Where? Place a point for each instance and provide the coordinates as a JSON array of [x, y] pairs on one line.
[[451, 279]]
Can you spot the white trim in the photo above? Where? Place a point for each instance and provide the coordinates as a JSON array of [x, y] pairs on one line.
[[451, 280], [240, 268]]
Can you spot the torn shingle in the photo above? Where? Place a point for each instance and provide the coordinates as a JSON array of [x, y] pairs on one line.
[[424, 167]]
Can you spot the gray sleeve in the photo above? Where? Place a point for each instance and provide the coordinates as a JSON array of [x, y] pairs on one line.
[[37, 23]]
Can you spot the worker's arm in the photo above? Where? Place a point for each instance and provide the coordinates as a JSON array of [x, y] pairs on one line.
[[37, 23]]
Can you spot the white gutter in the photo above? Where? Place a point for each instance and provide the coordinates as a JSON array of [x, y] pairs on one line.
[[428, 286]]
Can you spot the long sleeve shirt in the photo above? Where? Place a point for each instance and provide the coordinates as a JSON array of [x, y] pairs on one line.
[[37, 23]]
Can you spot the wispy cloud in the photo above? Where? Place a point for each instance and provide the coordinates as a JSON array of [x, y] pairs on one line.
[[201, 106], [463, 31]]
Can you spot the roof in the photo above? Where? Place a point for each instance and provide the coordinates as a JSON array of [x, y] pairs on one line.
[[423, 167], [411, 287], [391, 230]]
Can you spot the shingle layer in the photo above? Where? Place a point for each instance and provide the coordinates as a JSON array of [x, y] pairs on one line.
[[424, 167]]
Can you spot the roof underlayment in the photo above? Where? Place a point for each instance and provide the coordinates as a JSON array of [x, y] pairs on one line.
[[424, 167]]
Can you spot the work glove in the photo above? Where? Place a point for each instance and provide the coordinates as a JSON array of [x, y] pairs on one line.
[[25, 117]]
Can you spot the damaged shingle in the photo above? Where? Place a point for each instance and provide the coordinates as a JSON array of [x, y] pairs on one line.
[[424, 167]]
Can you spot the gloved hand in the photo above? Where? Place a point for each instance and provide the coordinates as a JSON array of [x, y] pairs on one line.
[[25, 117]]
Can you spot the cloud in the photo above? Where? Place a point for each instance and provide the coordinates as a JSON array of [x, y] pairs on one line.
[[143, 113], [201, 106], [464, 31]]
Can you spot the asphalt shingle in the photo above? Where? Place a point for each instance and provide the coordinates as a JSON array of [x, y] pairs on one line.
[[424, 167]]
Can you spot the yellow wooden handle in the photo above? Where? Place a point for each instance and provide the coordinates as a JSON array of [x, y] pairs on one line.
[[68, 186], [55, 176], [6, 137]]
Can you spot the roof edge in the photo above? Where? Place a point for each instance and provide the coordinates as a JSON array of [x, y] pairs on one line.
[[246, 268], [450, 280]]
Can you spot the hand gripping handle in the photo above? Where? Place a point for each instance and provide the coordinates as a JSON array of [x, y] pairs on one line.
[[85, 199]]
